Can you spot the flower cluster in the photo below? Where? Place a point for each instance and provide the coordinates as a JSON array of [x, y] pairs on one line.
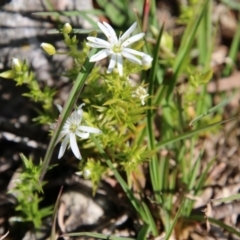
[[72, 128], [118, 48]]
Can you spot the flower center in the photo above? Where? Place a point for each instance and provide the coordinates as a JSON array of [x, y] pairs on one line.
[[117, 48], [73, 128]]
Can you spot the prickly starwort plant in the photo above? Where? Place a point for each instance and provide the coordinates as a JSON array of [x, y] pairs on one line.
[[22, 74], [26, 189]]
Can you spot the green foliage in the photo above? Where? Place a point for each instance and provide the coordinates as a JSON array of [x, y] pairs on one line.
[[93, 170], [27, 189], [22, 74]]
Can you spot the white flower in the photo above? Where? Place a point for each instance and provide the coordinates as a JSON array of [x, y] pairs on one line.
[[72, 128], [116, 47], [140, 93]]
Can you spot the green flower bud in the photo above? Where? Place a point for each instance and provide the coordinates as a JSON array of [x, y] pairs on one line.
[[16, 65], [10, 74], [74, 39], [48, 48], [67, 28]]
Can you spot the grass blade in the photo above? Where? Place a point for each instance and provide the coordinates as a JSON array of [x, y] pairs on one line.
[[190, 133]]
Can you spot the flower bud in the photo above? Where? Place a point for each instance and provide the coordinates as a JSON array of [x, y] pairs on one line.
[[86, 173], [67, 28], [48, 48], [16, 65], [10, 74], [146, 61], [74, 40]]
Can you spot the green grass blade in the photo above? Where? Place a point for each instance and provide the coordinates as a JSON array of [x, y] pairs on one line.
[[83, 13], [151, 222], [69, 13], [55, 210], [226, 199], [211, 110], [234, 49], [205, 37], [190, 133], [75, 31], [142, 235], [216, 222], [96, 235], [194, 172], [184, 48], [153, 165], [168, 234], [234, 4]]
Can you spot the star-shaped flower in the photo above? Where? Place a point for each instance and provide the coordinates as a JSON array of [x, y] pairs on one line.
[[140, 93], [72, 128], [116, 47]]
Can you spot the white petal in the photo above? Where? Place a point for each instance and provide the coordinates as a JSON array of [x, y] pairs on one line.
[[100, 55], [79, 109], [120, 64], [112, 63], [134, 52], [61, 135], [63, 146], [82, 134], [99, 41], [133, 39], [113, 37], [74, 146], [89, 129], [94, 45], [59, 107], [131, 58], [128, 32], [104, 29]]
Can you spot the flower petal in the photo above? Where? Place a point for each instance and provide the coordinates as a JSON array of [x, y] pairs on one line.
[[112, 63], [128, 32], [94, 45], [133, 39], [100, 55], [120, 64], [74, 146], [131, 58], [83, 135], [63, 146], [113, 37], [104, 29], [59, 108], [99, 41], [89, 129], [61, 135], [134, 52]]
